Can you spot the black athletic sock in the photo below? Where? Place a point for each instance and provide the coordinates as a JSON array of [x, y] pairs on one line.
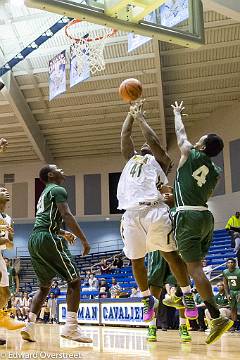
[[211, 305]]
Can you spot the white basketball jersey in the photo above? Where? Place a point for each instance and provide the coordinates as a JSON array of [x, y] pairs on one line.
[[139, 182], [4, 220]]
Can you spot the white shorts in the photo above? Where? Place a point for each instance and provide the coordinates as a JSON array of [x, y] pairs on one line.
[[147, 230], [4, 279]]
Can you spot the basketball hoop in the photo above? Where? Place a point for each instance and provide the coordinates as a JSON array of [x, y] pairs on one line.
[[88, 40]]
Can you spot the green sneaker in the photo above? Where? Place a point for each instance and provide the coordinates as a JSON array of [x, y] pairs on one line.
[[218, 328], [184, 334], [174, 301], [152, 333]]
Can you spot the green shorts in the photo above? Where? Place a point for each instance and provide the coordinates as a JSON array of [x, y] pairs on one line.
[[193, 234], [235, 298], [159, 272], [50, 257]]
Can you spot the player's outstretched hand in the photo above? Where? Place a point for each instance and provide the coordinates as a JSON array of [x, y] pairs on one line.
[[136, 109], [178, 108], [69, 237], [86, 248], [3, 144]]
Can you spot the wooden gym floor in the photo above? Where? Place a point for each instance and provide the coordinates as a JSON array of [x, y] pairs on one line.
[[118, 344]]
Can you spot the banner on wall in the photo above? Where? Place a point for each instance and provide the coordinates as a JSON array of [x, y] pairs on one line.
[[87, 313], [57, 75], [122, 313], [75, 76]]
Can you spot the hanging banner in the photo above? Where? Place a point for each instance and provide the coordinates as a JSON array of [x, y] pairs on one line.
[[174, 12], [57, 75], [75, 76]]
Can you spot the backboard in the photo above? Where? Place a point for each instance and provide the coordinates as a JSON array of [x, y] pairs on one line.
[[175, 21]]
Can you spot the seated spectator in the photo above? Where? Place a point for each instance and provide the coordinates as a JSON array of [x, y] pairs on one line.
[[135, 292], [52, 305], [55, 289], [26, 305], [103, 289], [207, 269], [22, 305], [115, 289], [117, 262], [93, 283], [45, 312], [222, 302]]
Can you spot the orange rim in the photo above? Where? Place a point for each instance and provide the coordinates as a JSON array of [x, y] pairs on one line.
[[76, 21]]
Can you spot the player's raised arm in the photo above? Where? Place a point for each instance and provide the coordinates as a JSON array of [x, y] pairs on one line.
[[151, 137], [127, 146], [70, 221], [184, 145]]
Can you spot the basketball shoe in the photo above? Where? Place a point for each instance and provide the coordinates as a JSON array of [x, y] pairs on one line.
[[7, 322], [73, 332], [187, 302], [184, 334], [149, 306], [152, 333], [28, 332], [217, 328]]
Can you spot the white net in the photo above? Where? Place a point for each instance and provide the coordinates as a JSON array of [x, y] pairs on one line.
[[91, 41]]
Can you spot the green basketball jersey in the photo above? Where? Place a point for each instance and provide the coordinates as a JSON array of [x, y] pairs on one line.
[[195, 180], [233, 278], [221, 299], [48, 217]]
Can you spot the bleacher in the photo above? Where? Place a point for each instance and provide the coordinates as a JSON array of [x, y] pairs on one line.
[[219, 252]]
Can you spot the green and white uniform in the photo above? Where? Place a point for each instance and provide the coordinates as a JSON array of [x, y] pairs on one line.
[[159, 272], [195, 181], [49, 251], [233, 279]]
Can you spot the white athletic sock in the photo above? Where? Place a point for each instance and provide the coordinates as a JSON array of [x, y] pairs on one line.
[[145, 293], [71, 318], [186, 289], [153, 322], [182, 321], [32, 317]]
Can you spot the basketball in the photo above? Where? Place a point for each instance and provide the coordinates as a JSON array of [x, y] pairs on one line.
[[130, 89]]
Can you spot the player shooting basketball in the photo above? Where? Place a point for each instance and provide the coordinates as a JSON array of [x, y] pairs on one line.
[[146, 225]]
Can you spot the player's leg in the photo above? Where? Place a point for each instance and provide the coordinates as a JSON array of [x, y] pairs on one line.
[[233, 306], [160, 236], [157, 268], [66, 268], [40, 249], [134, 238], [5, 320], [194, 235]]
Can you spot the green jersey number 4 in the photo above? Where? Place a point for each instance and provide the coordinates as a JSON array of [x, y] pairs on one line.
[[200, 175]]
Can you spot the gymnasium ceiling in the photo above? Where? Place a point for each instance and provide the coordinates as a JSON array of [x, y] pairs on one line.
[[86, 120]]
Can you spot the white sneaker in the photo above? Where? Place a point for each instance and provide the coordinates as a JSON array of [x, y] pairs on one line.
[[28, 332], [73, 332]]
